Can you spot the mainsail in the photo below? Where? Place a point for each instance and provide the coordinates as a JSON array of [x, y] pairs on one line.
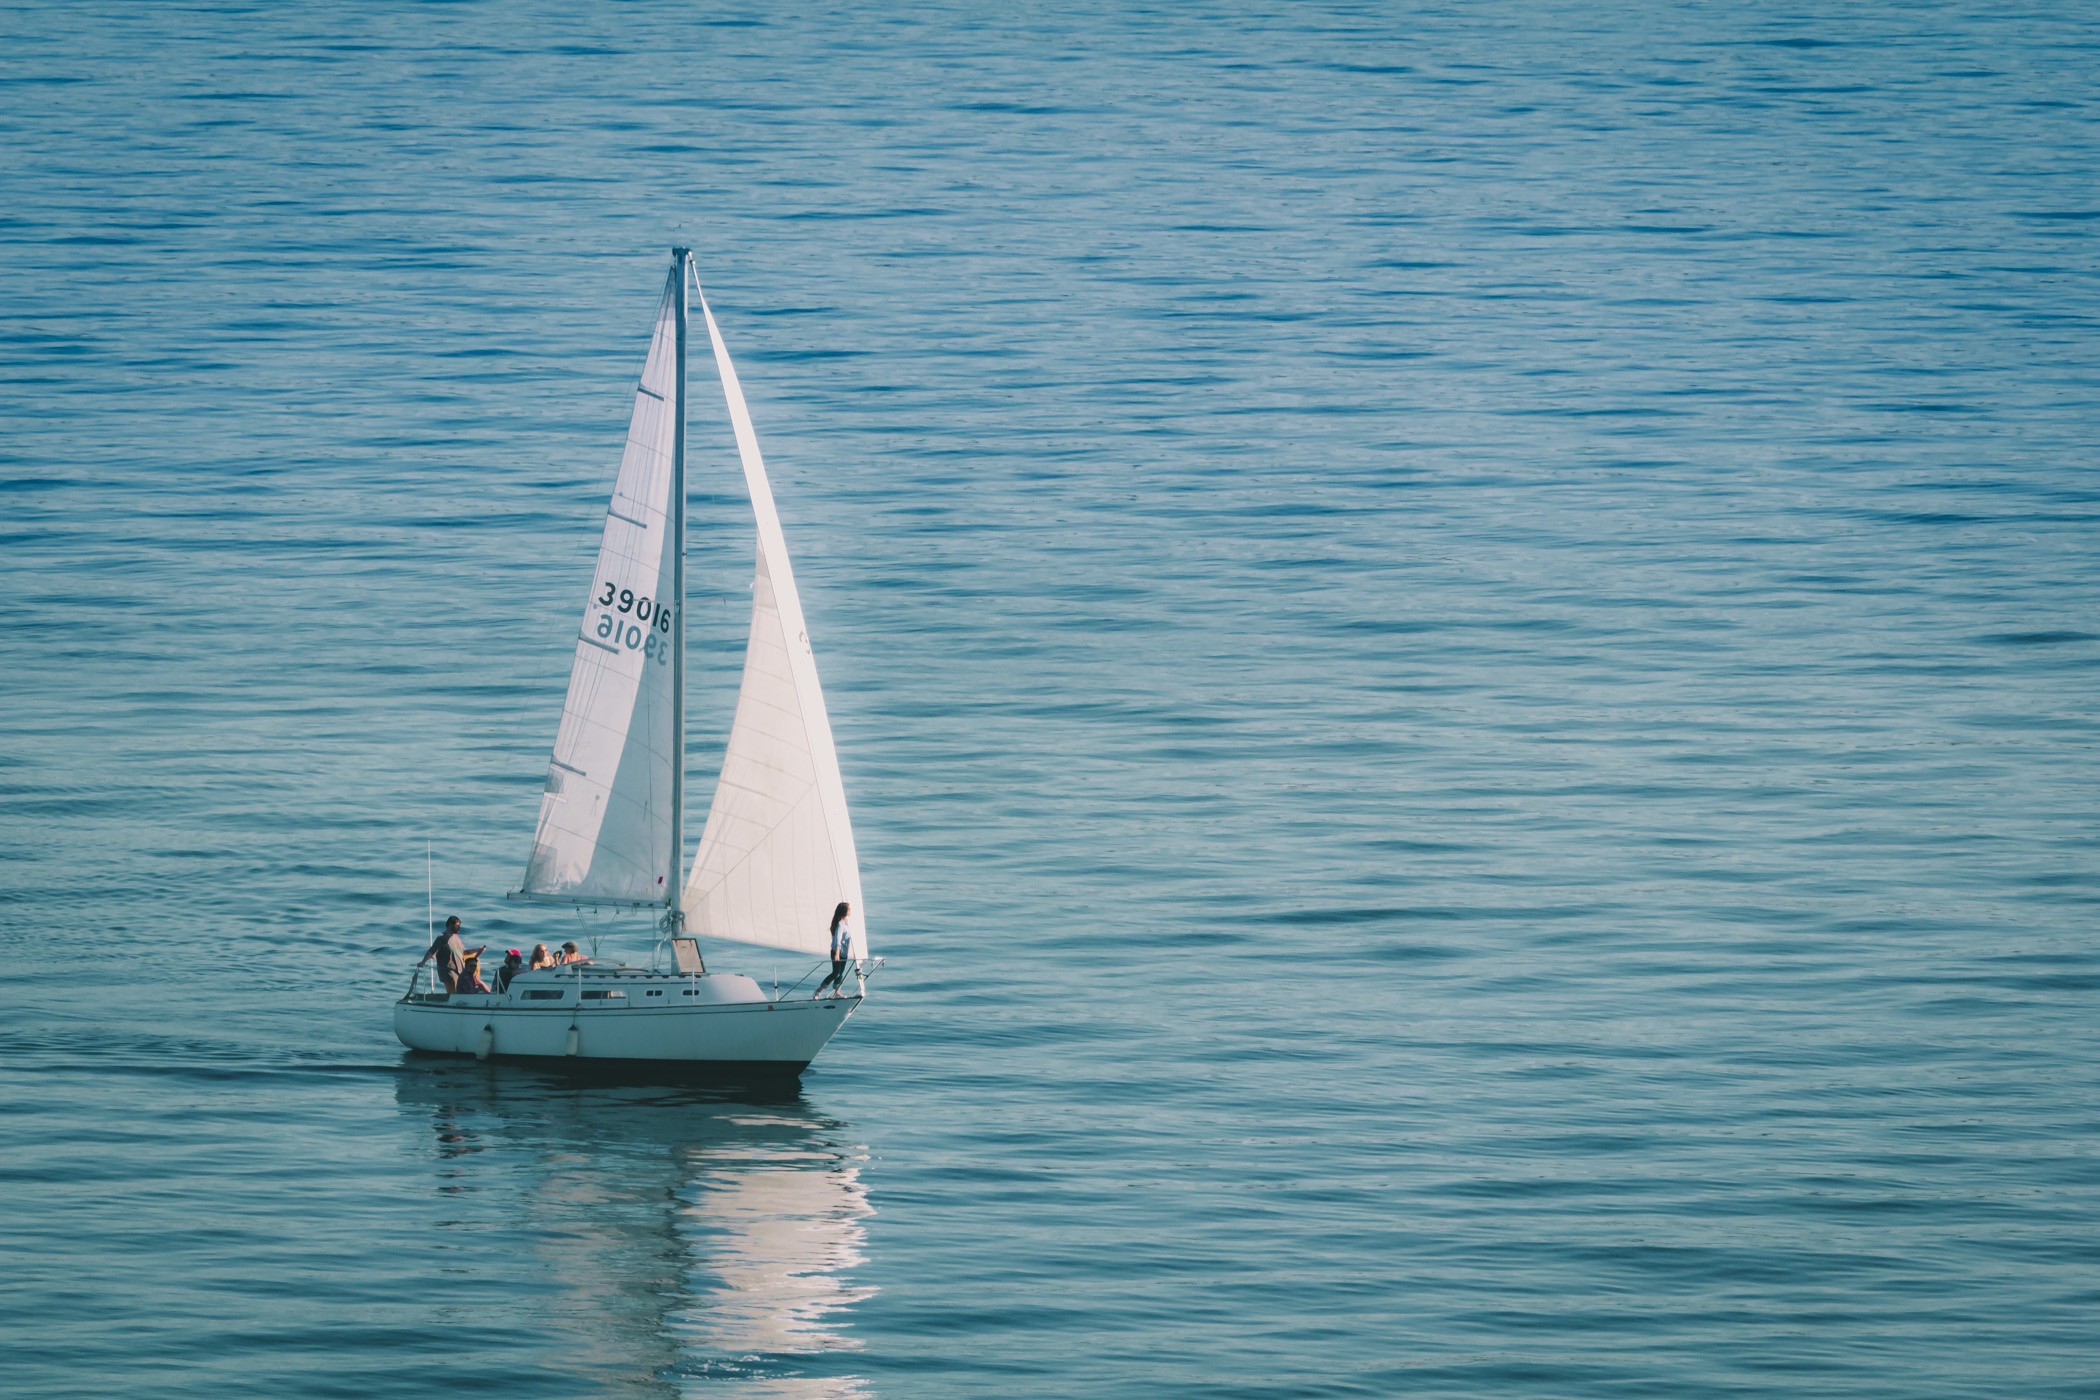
[[604, 833], [777, 855]]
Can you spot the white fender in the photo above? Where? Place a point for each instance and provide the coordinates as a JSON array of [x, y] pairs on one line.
[[486, 1043], [575, 1041]]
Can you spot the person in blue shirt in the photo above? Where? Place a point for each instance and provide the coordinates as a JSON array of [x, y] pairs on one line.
[[841, 950]]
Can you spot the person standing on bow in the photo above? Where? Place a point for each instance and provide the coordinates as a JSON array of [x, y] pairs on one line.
[[841, 950], [451, 954]]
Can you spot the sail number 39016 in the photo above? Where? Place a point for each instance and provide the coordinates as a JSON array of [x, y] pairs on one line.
[[651, 636]]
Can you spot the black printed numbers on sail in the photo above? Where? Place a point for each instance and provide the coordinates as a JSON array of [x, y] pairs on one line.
[[649, 631], [615, 631], [641, 608]]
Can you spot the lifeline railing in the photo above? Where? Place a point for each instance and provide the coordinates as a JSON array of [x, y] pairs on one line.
[[863, 968]]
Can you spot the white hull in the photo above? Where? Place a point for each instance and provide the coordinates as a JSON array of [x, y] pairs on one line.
[[721, 1021]]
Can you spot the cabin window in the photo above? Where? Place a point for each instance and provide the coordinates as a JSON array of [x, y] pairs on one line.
[[545, 996], [605, 996], [656, 994]]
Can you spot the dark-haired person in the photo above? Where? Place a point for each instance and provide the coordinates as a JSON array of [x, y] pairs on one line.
[[470, 972], [569, 955], [450, 952], [513, 964], [841, 950]]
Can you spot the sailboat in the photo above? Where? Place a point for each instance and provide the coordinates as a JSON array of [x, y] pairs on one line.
[[777, 854]]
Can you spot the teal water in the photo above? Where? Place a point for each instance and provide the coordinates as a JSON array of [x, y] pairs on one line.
[[1463, 642]]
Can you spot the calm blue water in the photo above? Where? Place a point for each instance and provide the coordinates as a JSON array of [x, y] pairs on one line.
[[1464, 643]]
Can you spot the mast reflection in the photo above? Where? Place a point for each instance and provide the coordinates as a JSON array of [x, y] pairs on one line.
[[650, 1239]]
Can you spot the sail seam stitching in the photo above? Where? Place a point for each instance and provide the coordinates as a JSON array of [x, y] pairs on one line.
[[752, 849]]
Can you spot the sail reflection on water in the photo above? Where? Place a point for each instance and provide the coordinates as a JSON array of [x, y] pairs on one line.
[[771, 1235], [647, 1240]]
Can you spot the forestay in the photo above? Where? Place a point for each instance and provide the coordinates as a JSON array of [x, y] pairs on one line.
[[604, 832], [777, 855]]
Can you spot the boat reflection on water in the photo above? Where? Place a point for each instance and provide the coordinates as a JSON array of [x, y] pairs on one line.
[[644, 1239]]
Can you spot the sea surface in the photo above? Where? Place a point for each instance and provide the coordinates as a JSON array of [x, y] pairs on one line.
[[1463, 639]]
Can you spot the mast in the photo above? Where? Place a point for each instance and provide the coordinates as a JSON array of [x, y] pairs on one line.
[[680, 259]]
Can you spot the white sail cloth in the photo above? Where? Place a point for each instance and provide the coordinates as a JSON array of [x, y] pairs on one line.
[[777, 855], [604, 832]]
